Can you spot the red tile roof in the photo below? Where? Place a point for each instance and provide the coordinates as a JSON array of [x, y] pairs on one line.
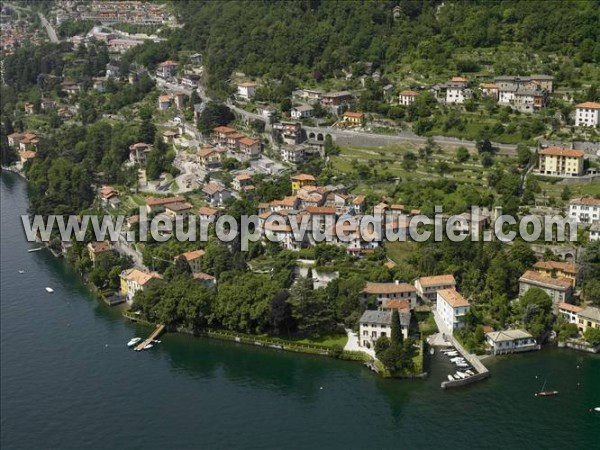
[[453, 298], [555, 151]]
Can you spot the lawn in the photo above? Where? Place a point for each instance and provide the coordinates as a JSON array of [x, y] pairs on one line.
[[324, 341], [400, 251]]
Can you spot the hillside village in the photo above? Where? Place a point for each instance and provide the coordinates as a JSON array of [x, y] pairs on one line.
[[150, 137]]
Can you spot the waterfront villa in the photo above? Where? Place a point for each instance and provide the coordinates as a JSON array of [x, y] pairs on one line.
[[452, 307], [559, 289], [510, 341], [376, 324], [569, 312], [384, 292], [588, 318], [427, 287], [96, 248], [134, 280]]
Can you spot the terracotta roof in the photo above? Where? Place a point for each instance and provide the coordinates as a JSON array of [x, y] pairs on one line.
[[164, 98], [203, 276], [571, 308], [224, 130], [289, 201], [248, 141], [437, 280], [212, 188], [356, 115], [153, 201], [320, 210], [587, 201], [247, 84], [206, 211], [555, 151], [459, 80], [139, 277], [168, 63], [108, 191], [488, 86], [533, 277], [453, 298], [409, 93], [169, 133], [397, 207], [550, 265], [303, 177], [27, 154], [206, 151], [397, 304], [588, 105], [179, 206], [387, 288], [243, 176], [193, 255], [99, 247]]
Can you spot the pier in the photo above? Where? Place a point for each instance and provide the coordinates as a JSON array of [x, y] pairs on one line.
[[159, 329], [482, 371]]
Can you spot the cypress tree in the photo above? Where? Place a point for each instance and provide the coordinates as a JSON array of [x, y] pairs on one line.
[[397, 336]]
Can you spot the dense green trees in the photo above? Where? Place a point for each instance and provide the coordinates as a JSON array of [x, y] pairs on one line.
[[324, 37], [214, 115]]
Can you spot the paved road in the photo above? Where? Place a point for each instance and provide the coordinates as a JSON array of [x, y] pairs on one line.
[[51, 33]]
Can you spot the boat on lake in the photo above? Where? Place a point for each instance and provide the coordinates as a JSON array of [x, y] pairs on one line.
[[452, 353], [544, 393], [450, 378], [148, 347], [37, 249], [21, 271], [49, 290], [133, 341]]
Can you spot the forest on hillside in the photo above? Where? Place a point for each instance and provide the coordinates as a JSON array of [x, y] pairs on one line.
[[313, 39]]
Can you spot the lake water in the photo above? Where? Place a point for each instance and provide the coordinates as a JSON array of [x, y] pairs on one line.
[[69, 381]]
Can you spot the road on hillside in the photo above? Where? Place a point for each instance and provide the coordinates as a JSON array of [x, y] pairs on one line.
[[51, 33]]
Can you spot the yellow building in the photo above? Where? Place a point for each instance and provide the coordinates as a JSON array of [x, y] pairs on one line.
[[588, 318], [353, 118], [134, 280], [561, 161], [557, 269], [301, 180]]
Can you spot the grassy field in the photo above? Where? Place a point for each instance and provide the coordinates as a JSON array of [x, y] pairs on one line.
[[400, 251]]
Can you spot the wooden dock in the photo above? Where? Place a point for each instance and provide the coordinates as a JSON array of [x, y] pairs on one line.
[[159, 329]]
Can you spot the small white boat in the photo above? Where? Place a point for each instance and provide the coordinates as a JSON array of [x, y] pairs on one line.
[[597, 409], [156, 341], [133, 341], [462, 365], [450, 378], [21, 271], [457, 359], [49, 290], [148, 347], [452, 354], [469, 372], [462, 375], [431, 351], [37, 249]]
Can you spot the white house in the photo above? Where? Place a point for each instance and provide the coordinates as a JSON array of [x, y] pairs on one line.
[[452, 307], [584, 209], [246, 90], [569, 312], [295, 154], [216, 194], [301, 112], [376, 324], [510, 341], [456, 90], [587, 114], [427, 287], [407, 98]]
